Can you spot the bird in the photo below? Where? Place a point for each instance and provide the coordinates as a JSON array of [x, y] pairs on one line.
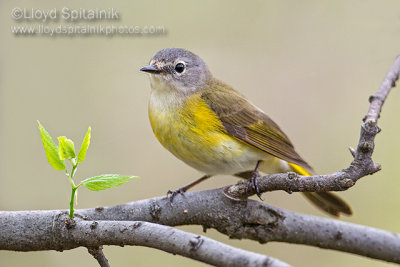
[[215, 129]]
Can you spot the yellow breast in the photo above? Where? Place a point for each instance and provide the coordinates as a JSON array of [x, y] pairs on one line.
[[190, 130]]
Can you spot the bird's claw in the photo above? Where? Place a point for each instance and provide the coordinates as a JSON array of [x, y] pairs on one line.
[[253, 182], [172, 194]]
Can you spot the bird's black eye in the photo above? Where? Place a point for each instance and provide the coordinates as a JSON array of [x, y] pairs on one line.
[[180, 67]]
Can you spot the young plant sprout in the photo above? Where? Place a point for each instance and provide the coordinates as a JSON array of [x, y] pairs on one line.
[[57, 155]]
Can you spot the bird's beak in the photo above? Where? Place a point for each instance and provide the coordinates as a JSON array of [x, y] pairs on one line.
[[151, 69]]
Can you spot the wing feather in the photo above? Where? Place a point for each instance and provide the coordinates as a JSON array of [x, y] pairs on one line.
[[246, 122]]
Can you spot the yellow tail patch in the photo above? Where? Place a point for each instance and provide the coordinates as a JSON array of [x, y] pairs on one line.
[[326, 201], [300, 170]]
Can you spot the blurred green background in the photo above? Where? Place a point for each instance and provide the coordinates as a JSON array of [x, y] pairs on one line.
[[311, 65]]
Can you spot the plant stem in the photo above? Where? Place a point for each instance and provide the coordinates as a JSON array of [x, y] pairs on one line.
[[74, 188], [73, 170], [74, 166], [71, 203]]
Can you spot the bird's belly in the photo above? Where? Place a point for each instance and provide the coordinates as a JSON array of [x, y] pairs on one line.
[[197, 138], [213, 153]]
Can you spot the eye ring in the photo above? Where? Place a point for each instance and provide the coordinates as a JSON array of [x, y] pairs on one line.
[[180, 67]]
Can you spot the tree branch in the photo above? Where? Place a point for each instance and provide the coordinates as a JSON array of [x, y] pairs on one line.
[[41, 230], [361, 166], [257, 221], [98, 254], [53, 230]]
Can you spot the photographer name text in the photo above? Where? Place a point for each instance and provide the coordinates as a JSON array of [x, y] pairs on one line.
[[65, 13]]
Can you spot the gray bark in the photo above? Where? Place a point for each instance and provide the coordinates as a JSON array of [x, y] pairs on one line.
[[53, 230]]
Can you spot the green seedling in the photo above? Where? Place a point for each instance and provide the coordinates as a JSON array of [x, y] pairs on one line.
[[65, 151]]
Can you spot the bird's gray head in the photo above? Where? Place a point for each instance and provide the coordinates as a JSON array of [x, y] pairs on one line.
[[178, 70]]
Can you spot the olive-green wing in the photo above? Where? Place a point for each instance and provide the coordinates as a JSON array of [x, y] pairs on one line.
[[249, 124]]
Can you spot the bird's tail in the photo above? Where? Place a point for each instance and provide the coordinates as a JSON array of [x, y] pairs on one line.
[[326, 201]]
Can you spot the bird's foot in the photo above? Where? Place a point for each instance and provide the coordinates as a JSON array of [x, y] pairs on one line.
[[172, 194], [253, 183]]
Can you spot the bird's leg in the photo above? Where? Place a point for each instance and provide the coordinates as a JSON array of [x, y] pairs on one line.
[[183, 189], [253, 181]]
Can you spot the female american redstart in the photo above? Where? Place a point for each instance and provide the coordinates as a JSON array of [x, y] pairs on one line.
[[216, 130]]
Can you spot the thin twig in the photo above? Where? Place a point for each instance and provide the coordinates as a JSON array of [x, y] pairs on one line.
[[361, 166], [97, 253]]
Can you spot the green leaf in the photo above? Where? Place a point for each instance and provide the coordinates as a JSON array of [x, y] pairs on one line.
[[84, 146], [66, 148], [51, 149], [105, 181]]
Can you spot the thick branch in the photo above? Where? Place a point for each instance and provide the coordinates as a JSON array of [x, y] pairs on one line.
[[257, 221], [53, 230], [361, 166], [34, 230]]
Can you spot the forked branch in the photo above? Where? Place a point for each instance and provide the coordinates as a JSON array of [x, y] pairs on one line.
[[361, 166]]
